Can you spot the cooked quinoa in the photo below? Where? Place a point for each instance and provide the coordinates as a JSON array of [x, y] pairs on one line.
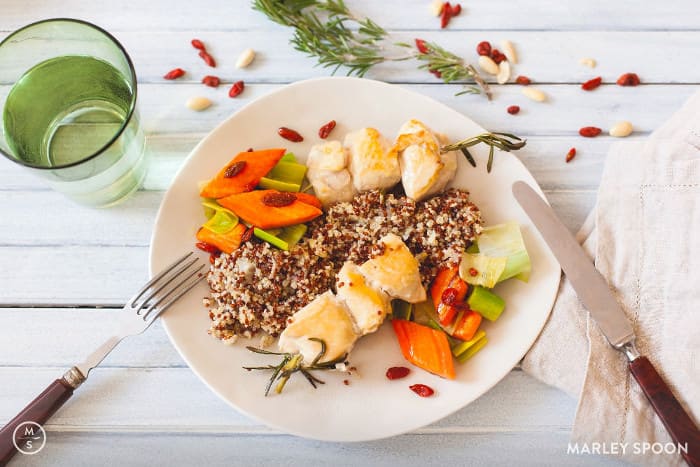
[[259, 287]]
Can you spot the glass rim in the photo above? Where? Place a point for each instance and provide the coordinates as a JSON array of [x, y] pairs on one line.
[[132, 106]]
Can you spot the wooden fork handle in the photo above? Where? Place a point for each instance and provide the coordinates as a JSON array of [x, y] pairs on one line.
[[676, 420], [38, 411]]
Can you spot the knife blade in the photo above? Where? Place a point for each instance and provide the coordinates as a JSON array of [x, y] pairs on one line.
[[595, 294]]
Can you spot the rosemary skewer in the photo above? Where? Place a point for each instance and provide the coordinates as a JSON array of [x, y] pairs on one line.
[[503, 141], [293, 363]]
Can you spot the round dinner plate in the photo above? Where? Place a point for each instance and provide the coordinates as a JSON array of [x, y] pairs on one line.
[[369, 406]]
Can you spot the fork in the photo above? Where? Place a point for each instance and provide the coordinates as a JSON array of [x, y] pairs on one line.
[[137, 315]]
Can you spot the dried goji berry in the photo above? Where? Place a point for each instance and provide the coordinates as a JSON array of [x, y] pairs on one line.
[[524, 80], [445, 15], [484, 48], [449, 296], [570, 155], [473, 272], [497, 56], [421, 46], [211, 81], [197, 44], [422, 390], [207, 247], [279, 199], [289, 134], [326, 129], [591, 84], [589, 131], [236, 89], [628, 79], [397, 372], [208, 59], [234, 169], [247, 235], [436, 73], [174, 74], [513, 109], [456, 10]]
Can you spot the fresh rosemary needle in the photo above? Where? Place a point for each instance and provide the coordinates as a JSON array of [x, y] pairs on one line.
[[503, 141]]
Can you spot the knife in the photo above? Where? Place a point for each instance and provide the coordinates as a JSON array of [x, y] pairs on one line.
[[594, 292]]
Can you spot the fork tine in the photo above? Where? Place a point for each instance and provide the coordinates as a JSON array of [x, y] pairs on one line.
[[165, 306], [158, 277], [174, 289], [167, 280]]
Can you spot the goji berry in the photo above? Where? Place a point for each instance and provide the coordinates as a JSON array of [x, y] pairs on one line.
[[497, 56], [421, 46], [211, 81], [524, 80], [591, 84], [473, 272], [197, 44], [456, 10], [289, 134], [207, 247], [234, 169], [326, 129], [247, 235], [589, 131], [513, 109], [422, 390], [570, 155], [484, 48], [436, 73], [397, 372], [174, 74], [449, 296], [208, 59], [236, 89], [279, 199], [445, 15], [628, 79]]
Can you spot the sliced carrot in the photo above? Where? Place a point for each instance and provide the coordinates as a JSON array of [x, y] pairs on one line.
[[448, 278], [257, 165], [309, 199], [251, 208], [467, 325], [227, 242], [425, 347]]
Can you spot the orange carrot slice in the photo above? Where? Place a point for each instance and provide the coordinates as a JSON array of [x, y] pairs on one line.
[[467, 325], [227, 242], [257, 165], [448, 278], [251, 208], [425, 347]]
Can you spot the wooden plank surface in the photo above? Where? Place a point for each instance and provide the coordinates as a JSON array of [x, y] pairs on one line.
[[64, 267]]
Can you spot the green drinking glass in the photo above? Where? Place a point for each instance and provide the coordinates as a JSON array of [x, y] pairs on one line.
[[68, 100]]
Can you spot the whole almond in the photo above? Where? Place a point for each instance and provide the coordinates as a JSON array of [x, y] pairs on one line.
[[534, 94], [198, 103], [509, 51], [621, 129], [589, 62], [245, 58], [503, 72], [488, 65], [436, 7]]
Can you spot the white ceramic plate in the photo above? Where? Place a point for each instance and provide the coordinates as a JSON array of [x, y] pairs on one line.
[[371, 406]]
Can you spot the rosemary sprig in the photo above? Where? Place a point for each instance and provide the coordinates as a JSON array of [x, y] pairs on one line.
[[329, 32], [292, 363], [503, 141]]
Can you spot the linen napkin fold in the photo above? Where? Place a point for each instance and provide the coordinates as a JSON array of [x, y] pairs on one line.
[[644, 235]]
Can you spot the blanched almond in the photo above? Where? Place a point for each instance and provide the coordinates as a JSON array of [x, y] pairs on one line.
[[534, 94], [509, 51], [245, 58], [488, 65], [503, 72], [621, 129], [198, 103], [436, 7], [589, 62]]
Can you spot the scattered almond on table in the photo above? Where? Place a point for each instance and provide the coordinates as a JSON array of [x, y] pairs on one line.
[[503, 72], [589, 62], [509, 51], [245, 58], [487, 64], [198, 103], [621, 129], [534, 94]]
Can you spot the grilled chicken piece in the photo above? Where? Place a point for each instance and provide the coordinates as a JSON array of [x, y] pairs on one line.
[[328, 173], [368, 305], [373, 164], [424, 171], [324, 318], [395, 271]]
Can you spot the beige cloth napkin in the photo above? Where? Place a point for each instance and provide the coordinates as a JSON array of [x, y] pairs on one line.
[[645, 237]]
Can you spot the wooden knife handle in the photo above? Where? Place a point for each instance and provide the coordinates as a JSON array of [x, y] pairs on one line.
[[39, 411], [678, 423]]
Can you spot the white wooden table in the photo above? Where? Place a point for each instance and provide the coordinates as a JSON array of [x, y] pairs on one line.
[[64, 269]]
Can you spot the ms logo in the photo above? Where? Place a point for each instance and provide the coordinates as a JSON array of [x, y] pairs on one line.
[[29, 438]]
